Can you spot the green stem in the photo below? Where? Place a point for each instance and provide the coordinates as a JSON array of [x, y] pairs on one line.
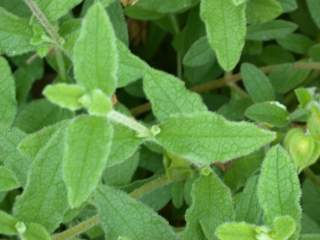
[[78, 229], [58, 49], [150, 186], [221, 82], [312, 176], [129, 122], [93, 221], [43, 21], [61, 65]]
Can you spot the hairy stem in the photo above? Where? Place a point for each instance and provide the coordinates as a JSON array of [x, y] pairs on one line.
[[130, 123], [93, 221], [61, 65], [221, 82], [43, 21]]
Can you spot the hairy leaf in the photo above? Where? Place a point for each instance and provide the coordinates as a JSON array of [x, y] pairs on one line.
[[204, 138], [36, 232], [122, 216], [44, 199], [10, 156], [270, 30], [259, 11], [53, 10], [95, 52], [8, 180], [199, 53], [257, 83], [226, 30], [8, 107], [31, 144], [15, 34], [273, 113], [131, 67], [38, 114], [211, 206], [169, 96], [64, 95], [7, 224], [247, 207], [278, 190], [239, 231], [88, 142], [125, 142]]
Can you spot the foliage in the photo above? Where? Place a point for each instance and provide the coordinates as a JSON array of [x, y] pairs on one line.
[[160, 119]]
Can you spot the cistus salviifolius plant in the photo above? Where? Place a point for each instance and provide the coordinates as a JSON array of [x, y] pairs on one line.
[[160, 119]]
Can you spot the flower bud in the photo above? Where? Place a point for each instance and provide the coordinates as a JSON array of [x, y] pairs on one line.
[[302, 148]]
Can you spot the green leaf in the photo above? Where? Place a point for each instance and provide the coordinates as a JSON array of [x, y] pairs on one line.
[[239, 231], [289, 5], [17, 7], [204, 138], [273, 113], [95, 52], [36, 232], [286, 77], [278, 190], [7, 224], [25, 76], [15, 34], [33, 143], [160, 6], [238, 174], [199, 53], [314, 9], [44, 199], [131, 67], [10, 156], [247, 207], [8, 100], [53, 10], [283, 227], [226, 30], [8, 180], [296, 43], [123, 216], [88, 142], [122, 173], [257, 83], [169, 96], [270, 30], [64, 95], [125, 142], [259, 11], [314, 52], [211, 206], [118, 19], [97, 103], [38, 114]]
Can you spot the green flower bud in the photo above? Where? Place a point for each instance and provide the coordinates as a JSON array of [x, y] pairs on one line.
[[302, 148]]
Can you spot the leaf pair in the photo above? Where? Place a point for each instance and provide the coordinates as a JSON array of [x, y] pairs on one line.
[[189, 130]]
